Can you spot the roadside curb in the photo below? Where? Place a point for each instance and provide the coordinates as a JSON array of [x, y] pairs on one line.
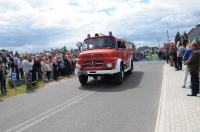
[[158, 120]]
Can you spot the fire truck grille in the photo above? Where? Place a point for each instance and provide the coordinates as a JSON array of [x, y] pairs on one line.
[[93, 63]]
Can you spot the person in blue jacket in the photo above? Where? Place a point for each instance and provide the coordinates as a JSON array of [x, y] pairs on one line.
[[186, 56]]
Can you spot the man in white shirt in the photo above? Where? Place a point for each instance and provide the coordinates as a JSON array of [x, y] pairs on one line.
[[20, 67], [28, 67], [180, 53]]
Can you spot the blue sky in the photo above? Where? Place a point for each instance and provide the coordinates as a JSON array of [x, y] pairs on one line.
[[28, 25], [144, 1]]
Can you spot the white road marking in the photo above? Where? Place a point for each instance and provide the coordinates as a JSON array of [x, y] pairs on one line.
[[37, 119], [161, 98]]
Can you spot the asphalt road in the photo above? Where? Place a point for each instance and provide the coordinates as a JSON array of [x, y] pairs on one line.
[[101, 106]]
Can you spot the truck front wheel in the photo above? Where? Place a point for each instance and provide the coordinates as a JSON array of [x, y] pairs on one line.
[[130, 71], [119, 76], [83, 79]]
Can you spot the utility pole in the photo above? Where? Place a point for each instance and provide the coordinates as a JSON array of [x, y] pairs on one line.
[[158, 43], [167, 37]]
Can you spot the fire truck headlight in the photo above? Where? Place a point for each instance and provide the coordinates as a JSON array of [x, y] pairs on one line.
[[109, 65], [78, 66]]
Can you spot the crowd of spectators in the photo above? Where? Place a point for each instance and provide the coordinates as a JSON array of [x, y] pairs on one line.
[[176, 55], [149, 54], [34, 67]]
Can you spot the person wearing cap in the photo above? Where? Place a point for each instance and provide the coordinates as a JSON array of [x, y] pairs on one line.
[[193, 63], [28, 67]]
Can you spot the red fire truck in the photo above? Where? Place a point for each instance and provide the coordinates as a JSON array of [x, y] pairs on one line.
[[104, 55]]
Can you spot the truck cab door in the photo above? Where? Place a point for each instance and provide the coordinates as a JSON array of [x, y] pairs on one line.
[[126, 56]]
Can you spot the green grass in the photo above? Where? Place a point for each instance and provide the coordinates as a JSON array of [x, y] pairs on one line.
[[20, 89], [153, 57]]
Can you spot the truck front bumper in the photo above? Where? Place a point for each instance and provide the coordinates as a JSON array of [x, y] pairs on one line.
[[97, 72]]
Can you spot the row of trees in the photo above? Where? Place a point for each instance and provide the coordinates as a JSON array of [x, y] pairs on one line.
[[182, 39], [63, 49]]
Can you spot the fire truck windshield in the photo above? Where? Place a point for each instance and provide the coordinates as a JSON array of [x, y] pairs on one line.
[[101, 42]]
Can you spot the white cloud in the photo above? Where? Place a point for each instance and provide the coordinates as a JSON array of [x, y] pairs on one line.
[[64, 22]]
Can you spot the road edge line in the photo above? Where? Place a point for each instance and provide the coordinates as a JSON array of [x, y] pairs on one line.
[[161, 99]]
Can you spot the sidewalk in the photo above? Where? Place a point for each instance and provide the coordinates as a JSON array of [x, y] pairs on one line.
[[177, 111]]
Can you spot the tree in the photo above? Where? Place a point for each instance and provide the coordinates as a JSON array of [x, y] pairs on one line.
[[184, 39], [79, 45], [143, 48], [133, 46], [17, 54], [64, 49], [177, 37]]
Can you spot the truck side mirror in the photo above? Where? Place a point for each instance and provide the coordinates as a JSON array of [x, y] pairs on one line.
[[121, 44]]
